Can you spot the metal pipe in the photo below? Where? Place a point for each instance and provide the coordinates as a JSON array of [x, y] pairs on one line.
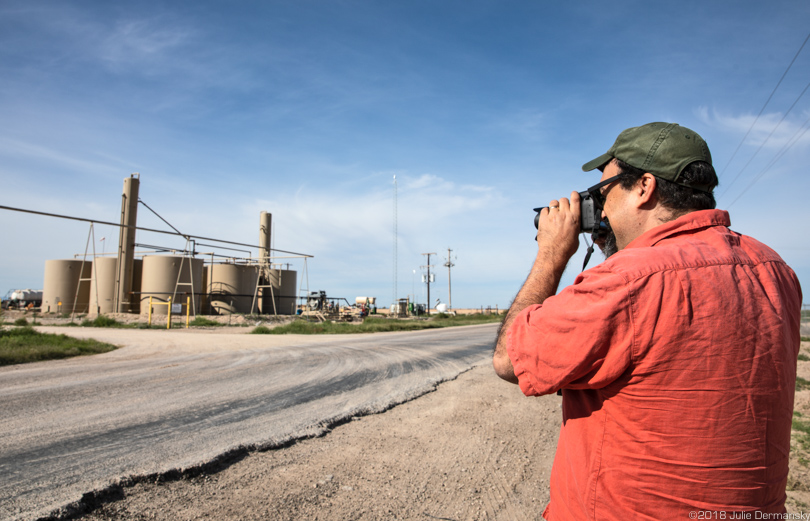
[[46, 214]]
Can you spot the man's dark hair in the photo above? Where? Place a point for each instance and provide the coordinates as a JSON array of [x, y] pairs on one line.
[[678, 198]]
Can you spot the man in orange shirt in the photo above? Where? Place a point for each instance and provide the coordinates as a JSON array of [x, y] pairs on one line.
[[676, 357]]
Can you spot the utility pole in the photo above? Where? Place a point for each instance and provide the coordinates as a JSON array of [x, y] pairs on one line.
[[449, 264], [428, 279]]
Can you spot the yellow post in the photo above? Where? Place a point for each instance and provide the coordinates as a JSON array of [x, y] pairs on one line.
[[188, 309], [150, 312], [169, 309]]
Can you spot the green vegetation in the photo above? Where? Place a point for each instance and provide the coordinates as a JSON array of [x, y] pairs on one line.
[[802, 384], [22, 345], [21, 322], [202, 321], [261, 330], [803, 357], [377, 325], [102, 321], [801, 437], [805, 339]]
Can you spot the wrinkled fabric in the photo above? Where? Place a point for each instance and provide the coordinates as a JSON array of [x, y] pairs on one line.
[[677, 362]]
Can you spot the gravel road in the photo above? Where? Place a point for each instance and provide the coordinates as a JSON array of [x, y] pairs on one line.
[[174, 400]]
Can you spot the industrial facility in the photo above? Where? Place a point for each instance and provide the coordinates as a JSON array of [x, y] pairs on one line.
[[150, 279]]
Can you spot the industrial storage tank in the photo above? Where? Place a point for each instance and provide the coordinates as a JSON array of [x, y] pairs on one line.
[[102, 285], [159, 280], [284, 292], [60, 286], [230, 287]]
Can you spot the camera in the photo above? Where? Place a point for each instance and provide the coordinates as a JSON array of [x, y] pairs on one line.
[[590, 216]]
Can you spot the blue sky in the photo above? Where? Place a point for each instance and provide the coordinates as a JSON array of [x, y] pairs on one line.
[[482, 110]]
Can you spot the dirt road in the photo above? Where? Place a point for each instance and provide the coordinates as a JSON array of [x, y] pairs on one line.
[[173, 400], [474, 449]]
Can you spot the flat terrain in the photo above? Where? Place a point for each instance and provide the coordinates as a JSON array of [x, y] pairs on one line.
[[170, 401], [475, 448]]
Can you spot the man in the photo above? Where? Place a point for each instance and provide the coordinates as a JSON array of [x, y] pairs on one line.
[[676, 356]]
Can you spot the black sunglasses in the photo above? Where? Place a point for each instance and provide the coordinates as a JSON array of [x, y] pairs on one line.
[[596, 191]]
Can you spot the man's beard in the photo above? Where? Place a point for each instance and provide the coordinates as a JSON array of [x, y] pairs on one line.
[[609, 247]]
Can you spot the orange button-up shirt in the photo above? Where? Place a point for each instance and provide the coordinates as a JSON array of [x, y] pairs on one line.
[[677, 361]]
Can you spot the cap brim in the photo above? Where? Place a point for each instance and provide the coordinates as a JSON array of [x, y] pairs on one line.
[[596, 163]]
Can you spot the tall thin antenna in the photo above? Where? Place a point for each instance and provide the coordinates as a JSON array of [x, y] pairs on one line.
[[394, 296], [428, 279], [449, 264]]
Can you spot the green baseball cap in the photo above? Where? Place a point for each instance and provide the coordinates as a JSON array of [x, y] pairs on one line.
[[662, 149]]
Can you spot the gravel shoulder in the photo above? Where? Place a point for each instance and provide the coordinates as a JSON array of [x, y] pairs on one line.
[[475, 448]]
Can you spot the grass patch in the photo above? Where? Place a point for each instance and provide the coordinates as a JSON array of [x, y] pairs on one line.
[[21, 322], [378, 325], [102, 321], [202, 321], [800, 438], [802, 384], [261, 330], [806, 339], [803, 357], [23, 345]]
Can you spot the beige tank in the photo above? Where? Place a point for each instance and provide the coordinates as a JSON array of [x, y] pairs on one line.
[[60, 285], [160, 276], [284, 293], [230, 287], [102, 285], [361, 301]]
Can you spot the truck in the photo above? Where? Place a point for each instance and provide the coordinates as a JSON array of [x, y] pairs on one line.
[[22, 299]]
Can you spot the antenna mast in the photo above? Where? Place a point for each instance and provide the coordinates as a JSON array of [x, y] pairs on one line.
[[394, 296], [449, 264], [428, 279]]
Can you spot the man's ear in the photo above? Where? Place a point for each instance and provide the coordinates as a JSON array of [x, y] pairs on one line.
[[645, 189]]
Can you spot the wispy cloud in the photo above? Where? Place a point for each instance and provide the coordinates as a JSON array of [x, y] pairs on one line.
[[768, 127]]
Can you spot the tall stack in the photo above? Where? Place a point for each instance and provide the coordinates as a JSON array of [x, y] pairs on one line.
[[126, 245]]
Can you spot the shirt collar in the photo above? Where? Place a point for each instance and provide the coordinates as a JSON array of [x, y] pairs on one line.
[[685, 223]]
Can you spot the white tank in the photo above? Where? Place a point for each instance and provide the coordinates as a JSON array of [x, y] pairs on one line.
[[160, 276], [26, 295], [61, 283]]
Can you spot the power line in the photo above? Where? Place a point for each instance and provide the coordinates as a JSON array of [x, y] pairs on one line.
[[765, 105], [766, 139], [793, 140]]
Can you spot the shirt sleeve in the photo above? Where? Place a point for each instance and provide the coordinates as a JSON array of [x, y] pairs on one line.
[[581, 338]]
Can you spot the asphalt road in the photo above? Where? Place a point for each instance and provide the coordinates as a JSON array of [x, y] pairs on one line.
[[170, 400]]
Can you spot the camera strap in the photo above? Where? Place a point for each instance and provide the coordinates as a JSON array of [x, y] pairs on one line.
[[590, 248]]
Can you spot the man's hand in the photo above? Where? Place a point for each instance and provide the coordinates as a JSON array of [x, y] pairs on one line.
[[558, 230], [557, 240]]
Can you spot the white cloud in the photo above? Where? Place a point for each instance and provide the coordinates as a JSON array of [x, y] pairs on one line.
[[770, 131]]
